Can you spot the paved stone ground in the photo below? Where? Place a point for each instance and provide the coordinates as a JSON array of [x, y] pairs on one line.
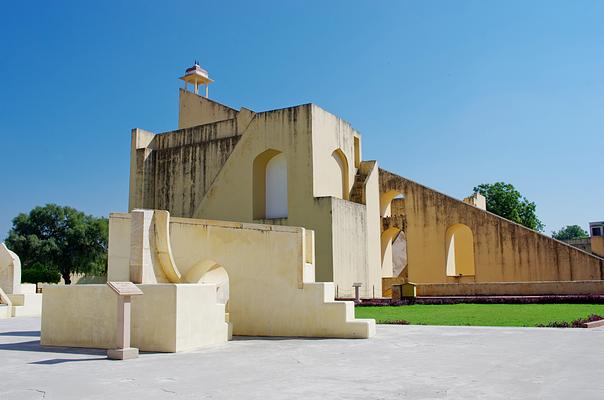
[[401, 362]]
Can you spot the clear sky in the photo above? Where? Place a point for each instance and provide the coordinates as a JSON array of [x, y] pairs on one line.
[[448, 93]]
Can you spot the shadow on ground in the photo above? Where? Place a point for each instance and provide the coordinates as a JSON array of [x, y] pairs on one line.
[[34, 345], [276, 338], [54, 361], [21, 333]]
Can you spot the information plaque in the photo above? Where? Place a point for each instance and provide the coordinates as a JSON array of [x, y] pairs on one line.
[[124, 288]]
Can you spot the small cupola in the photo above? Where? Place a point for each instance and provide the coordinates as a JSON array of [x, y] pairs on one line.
[[196, 76]]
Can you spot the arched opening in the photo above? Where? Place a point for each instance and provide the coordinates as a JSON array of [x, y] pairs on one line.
[[270, 185], [342, 162], [218, 276], [208, 271], [460, 251], [386, 199], [399, 255], [387, 237]]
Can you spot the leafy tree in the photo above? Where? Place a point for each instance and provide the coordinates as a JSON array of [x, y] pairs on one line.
[[504, 200], [570, 232], [60, 239], [39, 273]]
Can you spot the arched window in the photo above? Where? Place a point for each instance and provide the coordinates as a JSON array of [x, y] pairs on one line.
[[460, 250], [270, 185], [339, 157]]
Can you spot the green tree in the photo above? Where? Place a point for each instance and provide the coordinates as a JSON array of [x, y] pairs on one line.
[[60, 239], [504, 200], [570, 232]]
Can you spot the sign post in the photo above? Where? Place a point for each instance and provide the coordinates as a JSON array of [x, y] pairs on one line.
[[124, 291]]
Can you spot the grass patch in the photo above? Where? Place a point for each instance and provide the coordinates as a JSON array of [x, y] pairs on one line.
[[481, 314]]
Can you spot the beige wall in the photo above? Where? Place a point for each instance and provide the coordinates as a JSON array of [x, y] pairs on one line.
[[349, 240], [330, 133], [376, 268], [503, 251], [597, 245], [196, 110], [10, 271], [166, 318]]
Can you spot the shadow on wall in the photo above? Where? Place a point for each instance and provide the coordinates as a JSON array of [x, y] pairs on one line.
[[340, 158]]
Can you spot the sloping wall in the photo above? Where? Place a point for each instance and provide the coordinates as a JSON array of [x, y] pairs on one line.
[[503, 251], [196, 110]]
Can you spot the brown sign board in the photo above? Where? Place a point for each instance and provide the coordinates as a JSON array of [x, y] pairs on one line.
[[124, 288]]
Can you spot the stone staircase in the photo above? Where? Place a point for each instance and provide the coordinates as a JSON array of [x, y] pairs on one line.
[[336, 318]]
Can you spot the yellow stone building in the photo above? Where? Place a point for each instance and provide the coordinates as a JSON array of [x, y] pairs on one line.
[[239, 222], [303, 166]]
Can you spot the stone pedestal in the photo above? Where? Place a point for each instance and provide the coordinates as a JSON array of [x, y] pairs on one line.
[[122, 354], [125, 291]]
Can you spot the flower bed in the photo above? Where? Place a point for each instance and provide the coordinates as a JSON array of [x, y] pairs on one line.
[[578, 323]]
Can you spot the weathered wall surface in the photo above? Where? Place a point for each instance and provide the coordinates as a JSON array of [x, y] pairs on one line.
[[504, 251], [292, 132], [175, 169], [207, 171], [597, 245], [286, 131]]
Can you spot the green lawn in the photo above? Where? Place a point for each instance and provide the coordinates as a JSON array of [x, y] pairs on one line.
[[481, 314]]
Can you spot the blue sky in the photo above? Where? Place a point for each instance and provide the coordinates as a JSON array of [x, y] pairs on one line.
[[448, 93]]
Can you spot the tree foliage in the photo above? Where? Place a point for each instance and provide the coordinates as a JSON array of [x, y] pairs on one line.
[[570, 232], [63, 239], [504, 200]]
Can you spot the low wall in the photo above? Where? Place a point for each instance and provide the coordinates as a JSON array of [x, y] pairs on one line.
[[166, 318], [512, 288]]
